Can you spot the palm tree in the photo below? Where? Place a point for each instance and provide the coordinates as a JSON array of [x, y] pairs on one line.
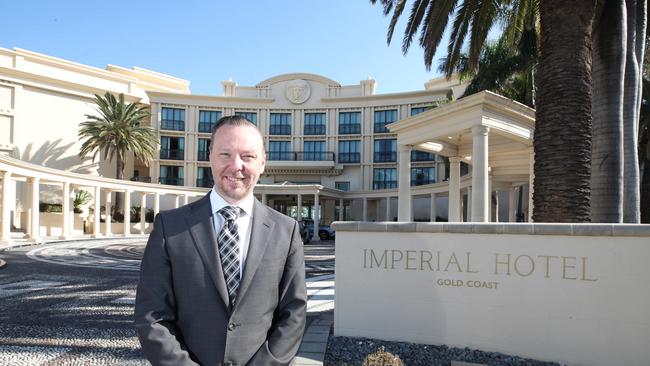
[[117, 130]]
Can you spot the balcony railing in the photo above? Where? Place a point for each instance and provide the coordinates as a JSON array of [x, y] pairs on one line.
[[141, 179], [301, 155], [280, 130], [349, 157], [172, 154], [172, 181], [206, 126], [381, 127], [172, 125], [203, 155], [204, 182], [384, 184], [385, 156], [421, 182], [314, 129], [349, 128]]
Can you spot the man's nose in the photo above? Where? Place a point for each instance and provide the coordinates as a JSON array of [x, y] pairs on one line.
[[237, 162]]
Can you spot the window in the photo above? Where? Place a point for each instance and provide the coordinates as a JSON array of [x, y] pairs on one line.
[[314, 123], [314, 150], [384, 178], [203, 153], [172, 175], [280, 150], [349, 151], [422, 156], [418, 110], [173, 119], [280, 124], [382, 118], [172, 148], [251, 116], [342, 186], [423, 175], [385, 151], [204, 177], [207, 120], [349, 123]]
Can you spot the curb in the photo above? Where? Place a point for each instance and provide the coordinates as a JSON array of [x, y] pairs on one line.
[[76, 239]]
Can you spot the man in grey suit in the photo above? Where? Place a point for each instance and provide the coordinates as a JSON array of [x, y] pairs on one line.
[[222, 280]]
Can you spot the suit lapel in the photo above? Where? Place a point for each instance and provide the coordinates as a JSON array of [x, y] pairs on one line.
[[201, 226], [261, 229]]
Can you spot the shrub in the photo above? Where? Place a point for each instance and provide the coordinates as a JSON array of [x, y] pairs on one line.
[[382, 358]]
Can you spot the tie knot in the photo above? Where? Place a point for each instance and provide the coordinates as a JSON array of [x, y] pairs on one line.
[[230, 213]]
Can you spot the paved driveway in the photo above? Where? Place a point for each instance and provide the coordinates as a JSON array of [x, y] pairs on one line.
[[71, 303]]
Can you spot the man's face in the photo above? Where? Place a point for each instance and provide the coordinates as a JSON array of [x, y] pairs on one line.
[[237, 159]]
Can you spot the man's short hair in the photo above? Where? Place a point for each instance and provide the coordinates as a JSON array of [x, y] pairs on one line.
[[232, 121]]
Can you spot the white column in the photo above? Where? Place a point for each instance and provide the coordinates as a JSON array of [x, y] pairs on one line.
[[341, 210], [512, 202], [6, 212], [107, 211], [433, 213], [490, 198], [35, 225], [96, 214], [481, 196], [176, 201], [365, 209], [469, 204], [299, 208], [156, 204], [143, 211], [388, 209], [265, 199], [316, 217], [127, 213], [531, 185], [66, 211], [454, 189], [186, 199], [404, 200]]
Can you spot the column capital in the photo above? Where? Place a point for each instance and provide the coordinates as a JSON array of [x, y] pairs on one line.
[[455, 159], [480, 130], [404, 148]]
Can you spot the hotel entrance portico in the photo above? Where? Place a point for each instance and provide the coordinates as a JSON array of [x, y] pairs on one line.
[[491, 133]]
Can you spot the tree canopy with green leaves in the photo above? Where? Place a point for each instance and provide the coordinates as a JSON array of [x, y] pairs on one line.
[[117, 129]]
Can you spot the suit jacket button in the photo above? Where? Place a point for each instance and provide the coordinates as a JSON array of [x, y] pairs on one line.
[[231, 326]]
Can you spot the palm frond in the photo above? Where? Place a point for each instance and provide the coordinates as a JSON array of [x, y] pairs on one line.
[[415, 19]]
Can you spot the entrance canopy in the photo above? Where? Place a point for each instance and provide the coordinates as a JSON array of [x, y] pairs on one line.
[[490, 132]]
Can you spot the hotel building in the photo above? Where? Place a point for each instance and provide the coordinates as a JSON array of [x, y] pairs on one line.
[[333, 151]]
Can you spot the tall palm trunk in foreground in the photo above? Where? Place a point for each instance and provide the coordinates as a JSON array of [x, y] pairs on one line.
[[562, 140]]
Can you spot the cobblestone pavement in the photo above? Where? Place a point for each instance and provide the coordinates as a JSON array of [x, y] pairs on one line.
[[71, 303]]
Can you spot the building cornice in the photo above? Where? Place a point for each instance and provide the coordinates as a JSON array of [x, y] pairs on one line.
[[155, 96], [405, 95], [299, 75]]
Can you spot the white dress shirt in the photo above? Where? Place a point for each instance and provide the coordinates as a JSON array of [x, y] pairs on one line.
[[243, 223]]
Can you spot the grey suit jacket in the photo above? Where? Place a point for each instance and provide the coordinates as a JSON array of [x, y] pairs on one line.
[[182, 315]]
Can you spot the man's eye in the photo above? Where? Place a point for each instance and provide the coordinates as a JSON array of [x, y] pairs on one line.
[[224, 155]]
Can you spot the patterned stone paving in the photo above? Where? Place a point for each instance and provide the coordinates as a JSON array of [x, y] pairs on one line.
[[71, 303]]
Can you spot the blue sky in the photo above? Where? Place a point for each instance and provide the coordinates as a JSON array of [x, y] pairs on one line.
[[206, 42]]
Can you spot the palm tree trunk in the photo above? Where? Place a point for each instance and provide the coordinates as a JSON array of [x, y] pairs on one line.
[[119, 174], [636, 28], [562, 140], [609, 46]]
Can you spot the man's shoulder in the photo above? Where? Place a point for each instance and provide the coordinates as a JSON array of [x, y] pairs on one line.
[[275, 216], [183, 211]]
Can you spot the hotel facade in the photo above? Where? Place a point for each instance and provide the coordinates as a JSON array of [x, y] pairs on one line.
[[334, 152]]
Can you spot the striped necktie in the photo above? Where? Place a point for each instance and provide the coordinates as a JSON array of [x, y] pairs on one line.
[[228, 242]]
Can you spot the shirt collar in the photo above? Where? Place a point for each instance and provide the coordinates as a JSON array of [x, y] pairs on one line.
[[218, 203]]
